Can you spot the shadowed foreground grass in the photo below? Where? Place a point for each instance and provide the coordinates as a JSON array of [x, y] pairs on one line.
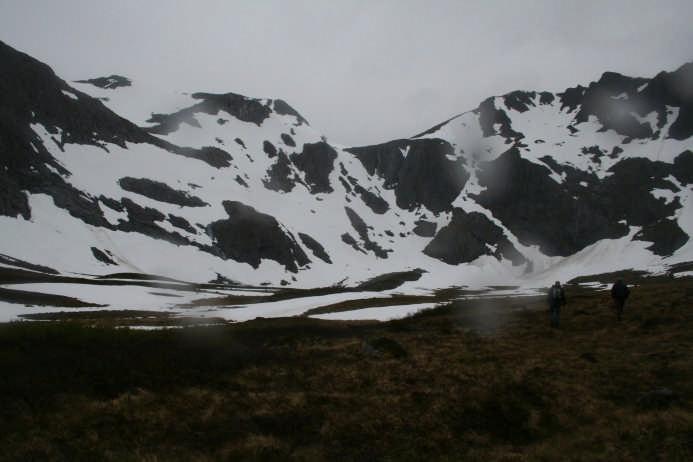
[[476, 380]]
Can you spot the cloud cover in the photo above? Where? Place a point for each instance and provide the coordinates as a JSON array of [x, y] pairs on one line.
[[360, 71]]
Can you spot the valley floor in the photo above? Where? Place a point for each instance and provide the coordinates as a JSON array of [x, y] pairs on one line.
[[483, 379]]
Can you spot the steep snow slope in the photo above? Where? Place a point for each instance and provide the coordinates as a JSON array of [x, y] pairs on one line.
[[527, 188], [589, 180]]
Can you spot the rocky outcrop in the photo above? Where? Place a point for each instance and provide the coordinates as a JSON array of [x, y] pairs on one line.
[[349, 240], [612, 97], [424, 228], [181, 223], [104, 256], [362, 229], [490, 116], [372, 200], [108, 83], [280, 177], [32, 94], [281, 107], [269, 148], [288, 140], [144, 220], [563, 218], [683, 167], [666, 237], [539, 211], [242, 108], [469, 236], [317, 162], [250, 236], [419, 170], [161, 192], [315, 247]]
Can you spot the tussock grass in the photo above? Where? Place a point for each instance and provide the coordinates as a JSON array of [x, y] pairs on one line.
[[480, 380]]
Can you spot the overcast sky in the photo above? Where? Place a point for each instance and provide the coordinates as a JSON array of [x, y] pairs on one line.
[[360, 71]]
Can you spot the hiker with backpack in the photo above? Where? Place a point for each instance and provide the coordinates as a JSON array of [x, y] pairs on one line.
[[619, 293], [556, 299]]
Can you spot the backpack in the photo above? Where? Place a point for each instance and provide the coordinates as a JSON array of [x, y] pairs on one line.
[[555, 295]]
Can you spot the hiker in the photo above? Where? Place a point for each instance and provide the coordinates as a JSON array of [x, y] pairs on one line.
[[619, 293], [556, 299]]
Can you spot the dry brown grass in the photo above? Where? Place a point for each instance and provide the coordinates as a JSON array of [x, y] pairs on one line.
[[303, 389]]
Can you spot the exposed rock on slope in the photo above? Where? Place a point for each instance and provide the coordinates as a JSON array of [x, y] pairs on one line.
[[226, 183], [420, 171], [316, 161], [160, 192], [249, 236], [111, 82], [469, 236]]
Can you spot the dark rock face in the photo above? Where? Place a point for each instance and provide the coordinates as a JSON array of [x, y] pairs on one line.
[[102, 256], [390, 281], [249, 236], [373, 201], [546, 98], [598, 100], [241, 181], [425, 228], [666, 237], [564, 218], [571, 98], [269, 148], [666, 89], [13, 201], [627, 192], [144, 220], [317, 162], [362, 230], [110, 83], [31, 93], [211, 155], [520, 101], [160, 192], [672, 89], [242, 108], [683, 167], [349, 239], [281, 107], [425, 176], [280, 176], [181, 223], [286, 138], [315, 247], [489, 116], [467, 237], [538, 210]]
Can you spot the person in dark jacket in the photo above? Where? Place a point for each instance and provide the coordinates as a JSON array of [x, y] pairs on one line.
[[556, 299], [619, 293]]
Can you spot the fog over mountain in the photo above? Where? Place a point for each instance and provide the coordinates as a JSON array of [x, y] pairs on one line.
[[361, 72]]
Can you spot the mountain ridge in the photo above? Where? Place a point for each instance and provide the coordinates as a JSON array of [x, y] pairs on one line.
[[526, 182]]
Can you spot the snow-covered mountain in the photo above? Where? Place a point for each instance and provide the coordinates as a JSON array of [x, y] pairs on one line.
[[100, 176]]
